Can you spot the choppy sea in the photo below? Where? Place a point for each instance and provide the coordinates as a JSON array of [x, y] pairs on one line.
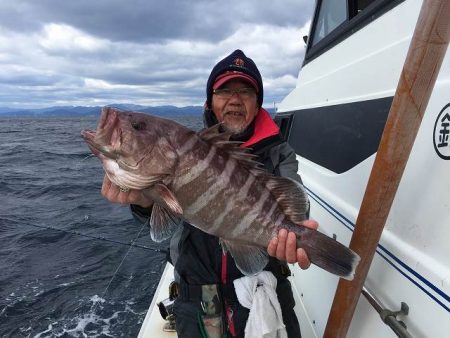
[[71, 263]]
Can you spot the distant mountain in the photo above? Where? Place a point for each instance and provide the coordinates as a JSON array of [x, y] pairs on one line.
[[167, 110], [7, 110], [68, 111], [51, 111]]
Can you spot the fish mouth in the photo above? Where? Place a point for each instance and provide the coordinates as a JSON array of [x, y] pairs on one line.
[[105, 142], [89, 137], [106, 139], [97, 149]]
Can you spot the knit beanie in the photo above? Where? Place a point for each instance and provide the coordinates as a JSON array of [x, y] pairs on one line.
[[235, 62]]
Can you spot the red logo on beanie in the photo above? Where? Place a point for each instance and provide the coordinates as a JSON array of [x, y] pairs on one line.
[[239, 62]]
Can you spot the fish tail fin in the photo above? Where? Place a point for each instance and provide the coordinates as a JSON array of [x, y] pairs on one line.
[[327, 253]]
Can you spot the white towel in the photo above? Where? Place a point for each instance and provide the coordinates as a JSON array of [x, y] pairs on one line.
[[257, 293]]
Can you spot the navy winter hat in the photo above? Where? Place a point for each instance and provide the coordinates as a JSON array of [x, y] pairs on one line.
[[235, 62]]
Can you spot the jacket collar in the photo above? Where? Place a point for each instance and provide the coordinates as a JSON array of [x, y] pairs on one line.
[[265, 127]]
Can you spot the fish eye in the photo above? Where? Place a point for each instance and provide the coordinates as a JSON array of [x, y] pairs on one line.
[[138, 125]]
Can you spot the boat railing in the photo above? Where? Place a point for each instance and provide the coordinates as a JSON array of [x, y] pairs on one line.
[[389, 317]]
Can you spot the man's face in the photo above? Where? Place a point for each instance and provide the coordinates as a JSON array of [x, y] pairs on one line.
[[236, 112]]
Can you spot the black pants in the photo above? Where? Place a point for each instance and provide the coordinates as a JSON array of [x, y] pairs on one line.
[[187, 312]]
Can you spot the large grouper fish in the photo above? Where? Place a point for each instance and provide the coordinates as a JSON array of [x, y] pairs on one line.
[[213, 184]]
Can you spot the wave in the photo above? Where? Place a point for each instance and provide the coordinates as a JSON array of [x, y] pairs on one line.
[[54, 283]]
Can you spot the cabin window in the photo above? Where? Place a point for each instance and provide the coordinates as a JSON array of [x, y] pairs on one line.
[[336, 20], [284, 123], [339, 137], [331, 15], [362, 4]]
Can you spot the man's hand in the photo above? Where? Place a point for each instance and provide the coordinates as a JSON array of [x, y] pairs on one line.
[[284, 247], [113, 194]]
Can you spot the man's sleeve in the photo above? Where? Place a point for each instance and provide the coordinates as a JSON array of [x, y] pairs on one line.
[[142, 215], [288, 165]]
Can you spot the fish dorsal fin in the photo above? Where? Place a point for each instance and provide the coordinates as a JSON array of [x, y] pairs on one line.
[[249, 259], [162, 223], [245, 158], [213, 134], [291, 196], [221, 140]]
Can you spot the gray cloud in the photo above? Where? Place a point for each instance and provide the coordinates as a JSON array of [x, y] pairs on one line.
[[146, 21], [144, 52]]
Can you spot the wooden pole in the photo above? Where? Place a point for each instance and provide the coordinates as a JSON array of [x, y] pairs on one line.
[[426, 52]]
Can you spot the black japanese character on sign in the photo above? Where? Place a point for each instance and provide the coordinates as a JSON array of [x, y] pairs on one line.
[[441, 133]]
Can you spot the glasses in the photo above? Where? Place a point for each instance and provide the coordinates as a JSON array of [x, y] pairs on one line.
[[225, 93]]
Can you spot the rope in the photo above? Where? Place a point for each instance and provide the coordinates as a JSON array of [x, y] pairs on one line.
[[101, 238]]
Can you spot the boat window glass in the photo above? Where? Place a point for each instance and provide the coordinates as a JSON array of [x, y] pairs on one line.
[[336, 20], [339, 137], [284, 123], [362, 4], [331, 15]]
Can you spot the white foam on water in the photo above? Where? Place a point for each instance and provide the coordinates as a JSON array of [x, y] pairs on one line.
[[84, 321], [49, 330], [89, 324], [97, 299]]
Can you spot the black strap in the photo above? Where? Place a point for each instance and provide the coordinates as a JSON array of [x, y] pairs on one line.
[[193, 293], [189, 292]]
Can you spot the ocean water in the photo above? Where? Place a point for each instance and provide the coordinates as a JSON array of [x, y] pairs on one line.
[[67, 268]]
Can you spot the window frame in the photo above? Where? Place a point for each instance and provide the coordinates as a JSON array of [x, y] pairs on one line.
[[355, 21], [284, 122]]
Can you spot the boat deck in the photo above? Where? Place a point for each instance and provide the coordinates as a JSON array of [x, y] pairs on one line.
[[153, 323]]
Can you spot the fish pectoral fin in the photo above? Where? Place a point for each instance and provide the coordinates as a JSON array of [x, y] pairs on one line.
[[162, 223], [249, 259], [166, 212], [291, 196], [162, 195]]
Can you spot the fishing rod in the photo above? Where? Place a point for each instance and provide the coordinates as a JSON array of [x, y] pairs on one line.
[[118, 268], [101, 238], [131, 244]]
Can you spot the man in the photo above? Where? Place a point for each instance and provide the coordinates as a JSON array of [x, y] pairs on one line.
[[234, 96]]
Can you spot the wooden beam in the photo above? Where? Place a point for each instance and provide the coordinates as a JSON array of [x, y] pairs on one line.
[[426, 52]]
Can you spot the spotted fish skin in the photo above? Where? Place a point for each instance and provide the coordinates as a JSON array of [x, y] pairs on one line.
[[213, 184]]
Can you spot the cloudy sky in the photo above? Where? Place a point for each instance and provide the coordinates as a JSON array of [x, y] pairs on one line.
[[98, 52]]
